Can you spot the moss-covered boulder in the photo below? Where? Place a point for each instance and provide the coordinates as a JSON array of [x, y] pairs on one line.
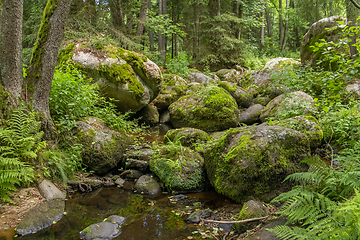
[[108, 229], [128, 77], [254, 160], [179, 168], [188, 137], [209, 108], [251, 209], [308, 125], [326, 28], [103, 149], [229, 75], [172, 89], [242, 97], [251, 115], [146, 184], [202, 78], [149, 114], [288, 105]]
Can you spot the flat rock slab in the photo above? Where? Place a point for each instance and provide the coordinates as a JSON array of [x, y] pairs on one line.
[[41, 216], [50, 191], [109, 229]]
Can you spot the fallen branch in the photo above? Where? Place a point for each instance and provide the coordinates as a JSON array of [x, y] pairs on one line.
[[125, 172], [234, 222]]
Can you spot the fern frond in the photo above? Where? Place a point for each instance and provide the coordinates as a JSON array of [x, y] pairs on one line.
[[288, 233]]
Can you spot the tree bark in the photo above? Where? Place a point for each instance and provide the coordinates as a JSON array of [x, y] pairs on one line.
[[43, 61], [262, 41], [219, 8], [161, 37], [116, 12], [351, 14], [286, 28], [196, 30], [280, 25], [142, 18], [268, 23], [11, 46]]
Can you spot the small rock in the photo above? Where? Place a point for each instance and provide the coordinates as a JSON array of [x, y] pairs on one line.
[[148, 185], [196, 216], [120, 182], [106, 230], [50, 191], [133, 174], [251, 115]]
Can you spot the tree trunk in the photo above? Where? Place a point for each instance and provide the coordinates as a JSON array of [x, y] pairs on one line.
[[117, 13], [268, 23], [262, 41], [11, 46], [219, 8], [296, 30], [162, 39], [142, 18], [196, 30], [286, 28], [43, 61], [351, 14], [280, 25]]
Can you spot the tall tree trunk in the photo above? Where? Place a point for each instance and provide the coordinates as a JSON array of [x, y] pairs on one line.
[[219, 8], [142, 18], [196, 30], [281, 25], [117, 13], [11, 46], [262, 40], [43, 61], [295, 28], [212, 8], [268, 23], [286, 28], [162, 39], [239, 14], [351, 14]]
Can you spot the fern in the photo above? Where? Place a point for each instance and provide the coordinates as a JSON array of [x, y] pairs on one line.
[[19, 143], [319, 205]]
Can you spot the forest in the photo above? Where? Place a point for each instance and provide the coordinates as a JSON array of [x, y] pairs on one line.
[[174, 59]]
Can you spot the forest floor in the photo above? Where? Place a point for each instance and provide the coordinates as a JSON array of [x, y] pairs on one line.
[[24, 199]]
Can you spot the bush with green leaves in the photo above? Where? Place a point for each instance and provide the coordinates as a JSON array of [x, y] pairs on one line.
[[20, 143], [179, 65], [326, 203]]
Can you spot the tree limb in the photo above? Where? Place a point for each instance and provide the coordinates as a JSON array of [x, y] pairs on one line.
[[355, 3], [234, 222]]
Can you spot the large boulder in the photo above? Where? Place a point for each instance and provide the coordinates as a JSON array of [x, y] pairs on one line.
[[179, 168], [103, 148], [50, 191], [108, 229], [209, 108], [254, 160], [242, 97], [251, 115], [326, 28], [128, 77], [173, 88], [202, 78], [288, 105], [146, 184], [229, 75]]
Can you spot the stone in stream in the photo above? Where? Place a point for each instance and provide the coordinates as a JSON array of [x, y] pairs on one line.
[[41, 216], [50, 191], [251, 209], [146, 184], [195, 217], [108, 229]]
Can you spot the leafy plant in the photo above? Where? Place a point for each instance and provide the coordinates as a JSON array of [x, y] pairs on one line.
[[20, 142], [319, 205], [179, 65]]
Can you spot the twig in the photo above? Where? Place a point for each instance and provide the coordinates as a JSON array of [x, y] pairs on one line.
[[234, 237], [227, 234], [125, 172], [214, 236], [234, 222]]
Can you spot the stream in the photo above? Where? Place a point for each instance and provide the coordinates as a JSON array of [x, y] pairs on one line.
[[147, 218]]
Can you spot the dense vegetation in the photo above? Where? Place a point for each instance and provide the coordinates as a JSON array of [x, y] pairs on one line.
[[207, 35]]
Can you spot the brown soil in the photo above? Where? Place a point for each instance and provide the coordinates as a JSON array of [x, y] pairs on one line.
[[12, 214]]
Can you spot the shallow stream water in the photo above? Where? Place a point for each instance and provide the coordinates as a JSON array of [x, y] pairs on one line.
[[147, 218]]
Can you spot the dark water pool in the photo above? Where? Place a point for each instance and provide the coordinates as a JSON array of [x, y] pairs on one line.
[[146, 218]]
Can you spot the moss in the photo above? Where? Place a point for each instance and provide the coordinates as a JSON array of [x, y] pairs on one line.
[[66, 54], [242, 164], [123, 74], [227, 87], [189, 137], [179, 168], [102, 156], [42, 38]]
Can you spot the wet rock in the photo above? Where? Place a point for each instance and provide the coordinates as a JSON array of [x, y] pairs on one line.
[[140, 165], [41, 216], [289, 105], [178, 197], [229, 75], [251, 115], [133, 174], [149, 114], [264, 234], [120, 182], [94, 183], [139, 154], [146, 184], [251, 209], [228, 227], [108, 229], [50, 191], [262, 100], [165, 117], [209, 108], [195, 217]]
